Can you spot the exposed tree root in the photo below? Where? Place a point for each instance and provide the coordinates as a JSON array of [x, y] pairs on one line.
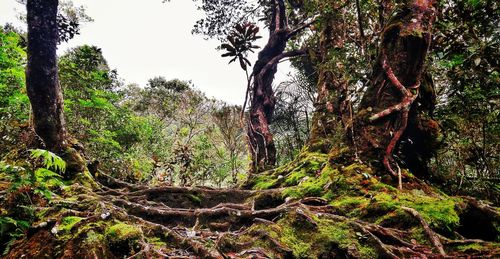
[[410, 94], [433, 237], [225, 230]]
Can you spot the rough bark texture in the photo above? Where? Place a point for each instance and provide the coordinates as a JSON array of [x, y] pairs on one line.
[[393, 116], [260, 138], [42, 80], [331, 107]]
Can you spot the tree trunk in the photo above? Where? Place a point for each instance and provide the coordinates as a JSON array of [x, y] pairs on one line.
[[260, 138], [262, 106], [331, 107], [42, 80], [392, 120]]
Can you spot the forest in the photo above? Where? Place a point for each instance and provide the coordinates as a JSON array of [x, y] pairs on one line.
[[383, 141]]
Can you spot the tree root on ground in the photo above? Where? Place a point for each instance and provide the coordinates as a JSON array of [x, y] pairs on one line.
[[433, 237], [227, 230]]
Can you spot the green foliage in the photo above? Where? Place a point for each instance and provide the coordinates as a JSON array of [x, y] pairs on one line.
[[292, 116], [14, 104], [39, 179], [32, 181], [201, 141], [240, 42], [10, 230], [466, 74], [12, 77], [49, 160]]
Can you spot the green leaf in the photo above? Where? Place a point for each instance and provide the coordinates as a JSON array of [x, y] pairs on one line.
[[50, 160]]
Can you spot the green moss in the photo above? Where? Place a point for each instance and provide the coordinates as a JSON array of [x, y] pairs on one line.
[[67, 223], [420, 236], [295, 177], [309, 241], [382, 187], [263, 182], [122, 232], [350, 206], [438, 212], [85, 178], [195, 199], [312, 186], [93, 238], [471, 248], [306, 164], [156, 242], [336, 153], [309, 163], [296, 241]]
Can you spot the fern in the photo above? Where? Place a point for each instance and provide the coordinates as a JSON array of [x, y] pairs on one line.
[[49, 159], [14, 229]]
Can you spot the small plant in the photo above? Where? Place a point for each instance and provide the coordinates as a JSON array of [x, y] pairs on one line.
[[10, 230], [240, 43], [31, 184], [39, 179], [49, 160]]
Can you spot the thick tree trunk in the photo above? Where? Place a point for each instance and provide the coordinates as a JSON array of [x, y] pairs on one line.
[[331, 107], [392, 120], [42, 80], [260, 138]]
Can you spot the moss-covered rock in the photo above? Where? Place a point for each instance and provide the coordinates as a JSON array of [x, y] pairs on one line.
[[123, 238]]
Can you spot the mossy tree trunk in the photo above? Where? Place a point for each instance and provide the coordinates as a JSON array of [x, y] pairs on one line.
[[42, 80], [260, 137], [331, 106], [393, 123]]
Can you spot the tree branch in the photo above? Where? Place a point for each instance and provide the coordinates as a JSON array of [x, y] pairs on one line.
[[302, 27]]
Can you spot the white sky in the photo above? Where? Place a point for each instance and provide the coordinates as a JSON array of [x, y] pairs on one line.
[[144, 39]]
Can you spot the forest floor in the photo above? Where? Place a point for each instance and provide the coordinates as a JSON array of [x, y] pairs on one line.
[[286, 218]]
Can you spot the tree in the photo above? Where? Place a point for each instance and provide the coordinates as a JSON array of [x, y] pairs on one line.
[[331, 105], [14, 104], [465, 63], [291, 122], [283, 24], [226, 118], [42, 81], [69, 19], [393, 116]]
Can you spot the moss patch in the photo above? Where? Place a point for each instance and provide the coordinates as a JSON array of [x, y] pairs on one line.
[[312, 186], [306, 164], [262, 182], [122, 231], [438, 212], [67, 223], [123, 238], [323, 239]]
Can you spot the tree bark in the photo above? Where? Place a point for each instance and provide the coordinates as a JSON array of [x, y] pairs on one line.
[[260, 138], [392, 120], [42, 80], [331, 114]]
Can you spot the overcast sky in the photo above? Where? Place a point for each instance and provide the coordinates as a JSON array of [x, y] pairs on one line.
[[144, 39]]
